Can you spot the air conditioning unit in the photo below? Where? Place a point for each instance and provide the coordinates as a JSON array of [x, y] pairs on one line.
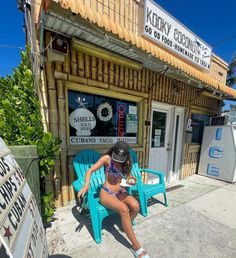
[[59, 44], [219, 120]]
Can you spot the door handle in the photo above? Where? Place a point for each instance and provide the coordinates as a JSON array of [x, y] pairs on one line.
[[168, 149]]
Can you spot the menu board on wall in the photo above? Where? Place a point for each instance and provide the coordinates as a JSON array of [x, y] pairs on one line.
[[21, 229], [95, 119]]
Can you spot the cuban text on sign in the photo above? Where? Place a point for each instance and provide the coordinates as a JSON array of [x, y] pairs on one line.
[[101, 140], [21, 230]]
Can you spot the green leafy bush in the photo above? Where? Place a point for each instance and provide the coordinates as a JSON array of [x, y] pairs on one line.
[[21, 123]]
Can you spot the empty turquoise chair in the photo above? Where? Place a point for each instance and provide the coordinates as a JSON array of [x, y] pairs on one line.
[[146, 191], [82, 162]]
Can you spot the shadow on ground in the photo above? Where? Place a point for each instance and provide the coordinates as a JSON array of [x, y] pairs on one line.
[[111, 224], [108, 224], [59, 256]]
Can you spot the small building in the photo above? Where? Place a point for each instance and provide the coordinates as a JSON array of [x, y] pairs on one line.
[[110, 70]]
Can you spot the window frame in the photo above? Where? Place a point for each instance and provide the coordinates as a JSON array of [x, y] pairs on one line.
[[139, 100], [200, 111]]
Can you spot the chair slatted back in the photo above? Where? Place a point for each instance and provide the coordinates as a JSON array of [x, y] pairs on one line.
[[82, 162], [135, 166]]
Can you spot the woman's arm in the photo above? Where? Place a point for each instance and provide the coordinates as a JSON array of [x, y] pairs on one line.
[[104, 160]]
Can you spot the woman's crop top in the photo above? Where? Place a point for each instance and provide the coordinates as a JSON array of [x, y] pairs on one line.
[[111, 169]]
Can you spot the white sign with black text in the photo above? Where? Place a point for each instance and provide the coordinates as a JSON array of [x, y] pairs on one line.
[[21, 229], [166, 30], [101, 140]]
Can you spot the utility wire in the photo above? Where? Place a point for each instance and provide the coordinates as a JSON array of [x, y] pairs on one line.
[[224, 40], [11, 46]]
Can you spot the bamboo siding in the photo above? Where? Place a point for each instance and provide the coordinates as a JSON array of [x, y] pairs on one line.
[[94, 73], [190, 164]]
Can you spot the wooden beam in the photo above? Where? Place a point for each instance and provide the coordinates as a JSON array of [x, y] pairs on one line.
[[98, 52]]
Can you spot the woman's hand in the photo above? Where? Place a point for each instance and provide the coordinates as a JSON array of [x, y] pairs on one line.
[[131, 180], [83, 191]]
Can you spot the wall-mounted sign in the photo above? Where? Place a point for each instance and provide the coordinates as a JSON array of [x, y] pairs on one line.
[[131, 123], [21, 230], [189, 127], [101, 140], [83, 121], [95, 119], [166, 30]]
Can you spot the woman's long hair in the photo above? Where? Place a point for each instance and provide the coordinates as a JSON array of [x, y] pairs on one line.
[[126, 166]]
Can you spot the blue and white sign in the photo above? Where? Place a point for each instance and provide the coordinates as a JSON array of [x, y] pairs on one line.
[[218, 153], [213, 170], [215, 152], [219, 132]]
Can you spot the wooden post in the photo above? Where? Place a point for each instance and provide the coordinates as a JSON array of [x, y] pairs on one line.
[[117, 72], [126, 77], [135, 86], [100, 72], [80, 57], [87, 66], [105, 71], [57, 181], [111, 74], [64, 181], [71, 178], [74, 65], [143, 80], [121, 77], [94, 68], [131, 79]]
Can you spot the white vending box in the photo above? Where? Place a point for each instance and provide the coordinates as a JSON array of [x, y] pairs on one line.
[[218, 153]]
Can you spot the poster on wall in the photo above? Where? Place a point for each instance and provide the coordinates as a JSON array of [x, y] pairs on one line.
[[95, 119], [22, 233], [132, 123]]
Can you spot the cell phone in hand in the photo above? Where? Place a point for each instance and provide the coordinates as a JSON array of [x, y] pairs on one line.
[[81, 199]]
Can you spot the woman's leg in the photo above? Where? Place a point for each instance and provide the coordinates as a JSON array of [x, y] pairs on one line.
[[113, 203], [131, 202]]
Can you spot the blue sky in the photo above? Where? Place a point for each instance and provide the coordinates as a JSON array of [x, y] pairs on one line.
[[211, 20], [11, 31]]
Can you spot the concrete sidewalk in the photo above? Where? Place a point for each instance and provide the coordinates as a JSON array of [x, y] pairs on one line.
[[199, 222]]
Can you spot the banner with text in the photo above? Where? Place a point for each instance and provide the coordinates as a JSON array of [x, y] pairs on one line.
[[101, 140], [161, 27]]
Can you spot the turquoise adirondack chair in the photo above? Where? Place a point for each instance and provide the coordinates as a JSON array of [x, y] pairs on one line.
[[146, 191], [82, 162]]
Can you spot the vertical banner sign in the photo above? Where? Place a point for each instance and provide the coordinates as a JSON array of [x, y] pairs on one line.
[[21, 230], [164, 29], [121, 110]]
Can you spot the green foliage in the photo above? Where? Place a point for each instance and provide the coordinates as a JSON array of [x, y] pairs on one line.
[[21, 123], [47, 206], [49, 149], [19, 107], [231, 76]]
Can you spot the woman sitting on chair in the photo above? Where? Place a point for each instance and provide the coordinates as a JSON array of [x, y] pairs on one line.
[[117, 164]]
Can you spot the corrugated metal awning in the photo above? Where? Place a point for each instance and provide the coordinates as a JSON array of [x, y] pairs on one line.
[[104, 22]]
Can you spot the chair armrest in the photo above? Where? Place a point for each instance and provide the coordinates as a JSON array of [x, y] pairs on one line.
[[78, 185], [157, 173], [91, 199]]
